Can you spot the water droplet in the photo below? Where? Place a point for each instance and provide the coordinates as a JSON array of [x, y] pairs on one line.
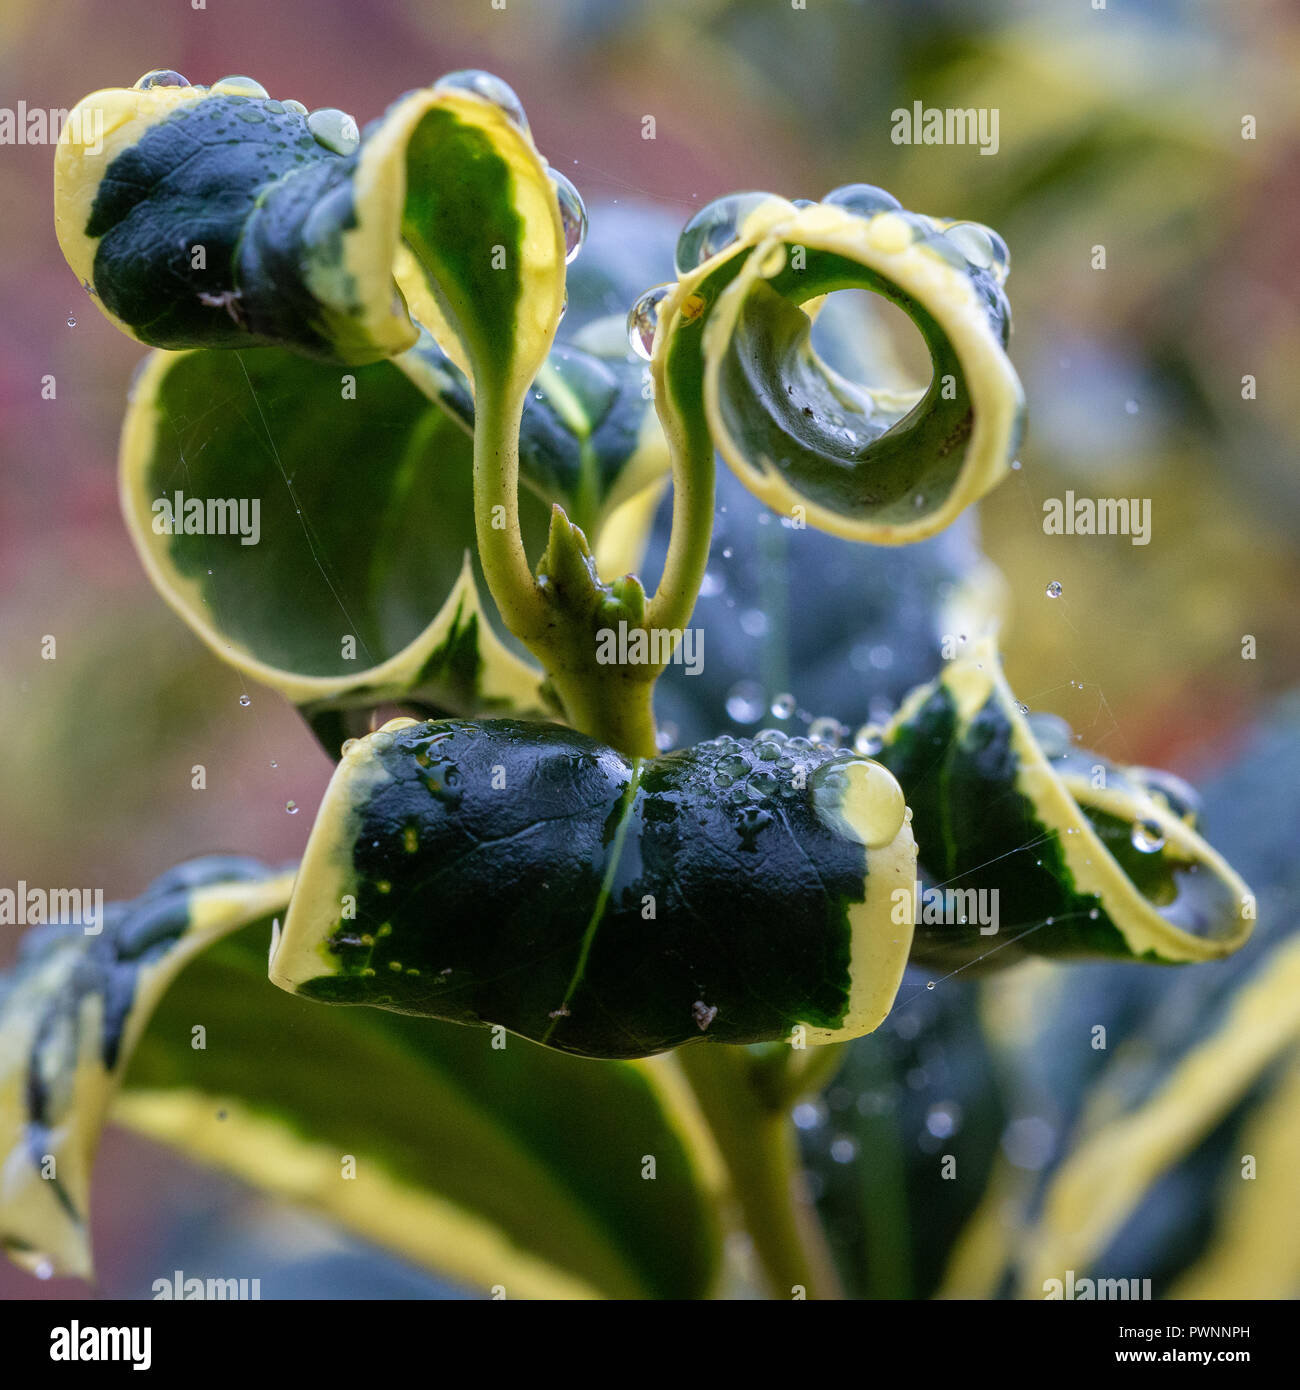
[[716, 226], [245, 700], [274, 763], [1094, 913], [1183, 800], [863, 199], [844, 1150], [643, 318], [160, 77], [1147, 836], [490, 88], [943, 1120], [291, 807], [666, 736], [784, 706], [44, 1270], [868, 740], [573, 215], [860, 800], [745, 702], [982, 247], [239, 86], [72, 322], [334, 129], [826, 730], [929, 984], [809, 1115], [1053, 590], [1131, 407], [296, 107], [1053, 735]]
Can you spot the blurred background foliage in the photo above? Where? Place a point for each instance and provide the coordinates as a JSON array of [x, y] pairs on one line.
[[1119, 127]]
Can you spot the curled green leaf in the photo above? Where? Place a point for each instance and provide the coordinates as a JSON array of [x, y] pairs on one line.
[[736, 891], [735, 368]]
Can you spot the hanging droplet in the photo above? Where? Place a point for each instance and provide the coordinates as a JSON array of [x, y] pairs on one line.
[[491, 88], [72, 322], [245, 701], [1053, 590], [929, 984], [982, 247], [573, 215], [716, 226], [784, 706], [643, 319], [160, 77], [239, 86], [863, 199], [334, 129], [564, 305], [44, 1270], [1147, 837], [1052, 734], [291, 807], [1182, 799]]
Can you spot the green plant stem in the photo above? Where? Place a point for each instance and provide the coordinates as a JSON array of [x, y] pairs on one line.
[[757, 1142], [692, 526], [609, 704], [500, 541]]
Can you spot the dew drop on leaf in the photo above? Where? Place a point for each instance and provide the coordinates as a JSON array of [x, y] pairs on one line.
[[491, 88], [160, 77], [1147, 837], [241, 86], [334, 129], [643, 318], [862, 199], [716, 226], [573, 215]]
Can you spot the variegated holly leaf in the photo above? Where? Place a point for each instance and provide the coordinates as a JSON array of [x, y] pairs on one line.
[[733, 892], [1039, 848], [501, 1165], [315, 528]]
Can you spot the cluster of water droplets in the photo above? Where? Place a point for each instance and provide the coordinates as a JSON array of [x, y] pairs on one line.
[[969, 246]]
